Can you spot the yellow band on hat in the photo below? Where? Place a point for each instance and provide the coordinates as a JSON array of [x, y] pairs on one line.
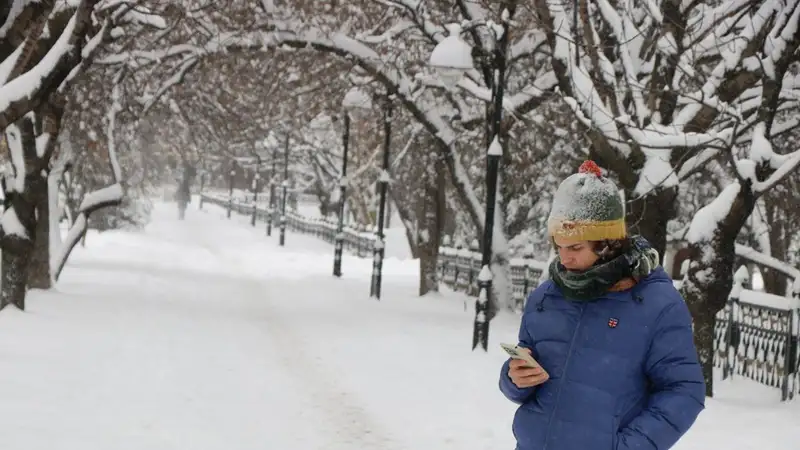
[[587, 230]]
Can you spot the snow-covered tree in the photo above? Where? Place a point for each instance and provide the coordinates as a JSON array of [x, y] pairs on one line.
[[391, 42], [84, 150], [766, 110], [655, 83], [777, 219], [46, 45], [659, 91]]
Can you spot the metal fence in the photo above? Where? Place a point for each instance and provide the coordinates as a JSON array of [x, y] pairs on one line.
[[755, 335], [356, 240]]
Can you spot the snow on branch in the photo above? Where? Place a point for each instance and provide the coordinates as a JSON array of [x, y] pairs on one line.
[[709, 218], [767, 261], [15, 12], [789, 165], [133, 13], [18, 94], [416, 10], [107, 196], [577, 83], [180, 74], [87, 54], [656, 137], [762, 156], [732, 53], [28, 85]]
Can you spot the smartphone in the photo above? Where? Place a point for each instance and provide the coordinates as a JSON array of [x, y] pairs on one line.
[[517, 352]]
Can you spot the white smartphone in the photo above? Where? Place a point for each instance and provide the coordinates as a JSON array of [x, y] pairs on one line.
[[517, 352]]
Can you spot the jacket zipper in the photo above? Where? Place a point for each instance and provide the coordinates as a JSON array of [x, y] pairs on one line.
[[563, 376]]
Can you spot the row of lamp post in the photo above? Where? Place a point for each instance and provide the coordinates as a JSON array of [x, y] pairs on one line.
[[271, 212], [452, 58], [256, 189], [359, 103]]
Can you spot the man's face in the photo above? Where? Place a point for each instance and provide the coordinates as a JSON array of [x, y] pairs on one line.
[[575, 255]]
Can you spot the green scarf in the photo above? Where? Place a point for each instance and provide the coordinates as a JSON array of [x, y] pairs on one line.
[[636, 263]]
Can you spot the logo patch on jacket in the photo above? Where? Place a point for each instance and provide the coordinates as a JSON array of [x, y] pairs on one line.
[[613, 322]]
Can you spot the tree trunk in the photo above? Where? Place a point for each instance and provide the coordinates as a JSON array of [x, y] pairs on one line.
[[409, 215], [710, 278], [17, 249], [776, 282], [420, 200], [704, 317], [25, 244], [428, 276], [323, 195], [430, 233], [358, 207], [16, 257], [39, 276], [648, 216], [19, 213], [706, 289]]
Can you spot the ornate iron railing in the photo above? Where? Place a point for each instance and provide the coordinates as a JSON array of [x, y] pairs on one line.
[[356, 240], [756, 336]]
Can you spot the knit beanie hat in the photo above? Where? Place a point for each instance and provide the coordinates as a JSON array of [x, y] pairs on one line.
[[587, 207]]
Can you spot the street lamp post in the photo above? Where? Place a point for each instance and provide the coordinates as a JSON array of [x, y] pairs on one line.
[[256, 186], [284, 193], [339, 238], [202, 184], [379, 250], [230, 190], [452, 57], [356, 102], [271, 209]]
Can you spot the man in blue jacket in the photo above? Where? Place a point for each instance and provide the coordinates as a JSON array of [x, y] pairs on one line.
[[619, 369]]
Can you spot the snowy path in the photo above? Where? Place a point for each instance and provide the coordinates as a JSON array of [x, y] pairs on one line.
[[206, 334], [183, 347]]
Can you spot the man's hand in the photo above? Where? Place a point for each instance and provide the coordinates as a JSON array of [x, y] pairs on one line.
[[524, 376]]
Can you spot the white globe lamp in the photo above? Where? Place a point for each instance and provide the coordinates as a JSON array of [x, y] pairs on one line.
[[452, 57]]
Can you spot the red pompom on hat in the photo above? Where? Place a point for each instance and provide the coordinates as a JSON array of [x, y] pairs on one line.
[[590, 166]]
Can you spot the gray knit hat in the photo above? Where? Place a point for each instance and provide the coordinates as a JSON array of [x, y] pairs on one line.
[[587, 207]]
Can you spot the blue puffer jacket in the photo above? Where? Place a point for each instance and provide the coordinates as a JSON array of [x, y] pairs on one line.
[[623, 368]]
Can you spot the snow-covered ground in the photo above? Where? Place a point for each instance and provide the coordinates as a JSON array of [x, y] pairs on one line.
[[205, 334]]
